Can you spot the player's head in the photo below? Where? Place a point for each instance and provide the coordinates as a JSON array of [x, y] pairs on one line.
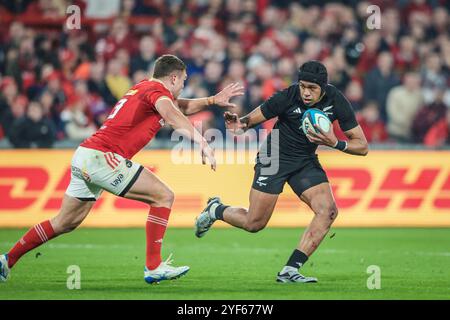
[[312, 78], [172, 70]]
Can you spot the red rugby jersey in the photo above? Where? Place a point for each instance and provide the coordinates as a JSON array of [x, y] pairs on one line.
[[133, 121]]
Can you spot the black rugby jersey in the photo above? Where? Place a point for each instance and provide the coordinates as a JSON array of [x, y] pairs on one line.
[[288, 106]]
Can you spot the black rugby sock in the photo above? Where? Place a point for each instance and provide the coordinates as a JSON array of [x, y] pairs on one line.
[[297, 259], [219, 211]]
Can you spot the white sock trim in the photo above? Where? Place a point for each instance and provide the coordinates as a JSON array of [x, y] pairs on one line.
[[289, 269], [212, 211]]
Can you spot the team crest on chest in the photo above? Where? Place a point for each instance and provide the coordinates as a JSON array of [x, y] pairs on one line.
[[328, 110]]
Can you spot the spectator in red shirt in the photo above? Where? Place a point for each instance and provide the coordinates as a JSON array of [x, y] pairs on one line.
[[371, 124], [46, 9], [391, 26], [428, 117], [368, 59], [119, 37], [406, 56], [439, 134], [416, 6]]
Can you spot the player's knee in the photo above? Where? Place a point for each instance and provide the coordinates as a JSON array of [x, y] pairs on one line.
[[69, 227], [332, 211], [327, 210], [254, 226], [165, 199], [66, 222], [61, 226]]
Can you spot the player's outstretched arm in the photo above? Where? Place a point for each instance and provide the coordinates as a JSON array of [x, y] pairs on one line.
[[222, 99], [240, 125], [356, 144], [176, 119]]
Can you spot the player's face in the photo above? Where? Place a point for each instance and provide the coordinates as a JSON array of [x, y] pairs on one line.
[[180, 78], [310, 92]]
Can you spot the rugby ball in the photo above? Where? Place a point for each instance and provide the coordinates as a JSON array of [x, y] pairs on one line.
[[315, 116]]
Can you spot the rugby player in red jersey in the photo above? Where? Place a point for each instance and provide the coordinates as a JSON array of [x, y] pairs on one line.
[[102, 162]]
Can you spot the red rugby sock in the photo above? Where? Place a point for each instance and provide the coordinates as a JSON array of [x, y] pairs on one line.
[[155, 228], [36, 236]]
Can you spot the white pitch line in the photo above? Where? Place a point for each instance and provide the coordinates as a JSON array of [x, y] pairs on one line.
[[234, 246]]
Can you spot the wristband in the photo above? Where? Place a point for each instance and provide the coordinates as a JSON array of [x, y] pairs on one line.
[[210, 100], [341, 145]]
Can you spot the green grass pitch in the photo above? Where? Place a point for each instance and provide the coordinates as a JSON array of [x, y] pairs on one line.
[[233, 264]]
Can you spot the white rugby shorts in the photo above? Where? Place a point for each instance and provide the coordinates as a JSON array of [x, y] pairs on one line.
[[94, 171]]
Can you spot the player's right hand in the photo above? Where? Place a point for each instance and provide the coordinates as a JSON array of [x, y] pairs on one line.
[[232, 122], [208, 153]]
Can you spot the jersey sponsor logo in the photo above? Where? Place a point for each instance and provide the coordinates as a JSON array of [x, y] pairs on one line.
[[387, 188], [131, 92], [117, 180], [21, 186], [397, 188]]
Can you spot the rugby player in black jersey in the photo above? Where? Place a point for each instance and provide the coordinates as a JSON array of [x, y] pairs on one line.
[[288, 155]]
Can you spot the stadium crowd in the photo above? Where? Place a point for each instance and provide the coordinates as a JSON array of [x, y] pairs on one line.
[[58, 83]]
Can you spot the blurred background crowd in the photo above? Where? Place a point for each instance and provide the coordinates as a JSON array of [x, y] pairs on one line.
[[59, 84]]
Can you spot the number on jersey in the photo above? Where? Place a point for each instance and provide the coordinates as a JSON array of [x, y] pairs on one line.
[[117, 107]]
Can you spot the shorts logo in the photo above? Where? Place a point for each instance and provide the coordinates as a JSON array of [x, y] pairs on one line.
[[128, 163], [86, 177], [117, 180], [77, 172], [260, 179], [81, 174]]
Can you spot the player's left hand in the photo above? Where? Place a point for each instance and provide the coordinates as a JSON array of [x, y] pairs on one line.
[[222, 99], [322, 137]]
